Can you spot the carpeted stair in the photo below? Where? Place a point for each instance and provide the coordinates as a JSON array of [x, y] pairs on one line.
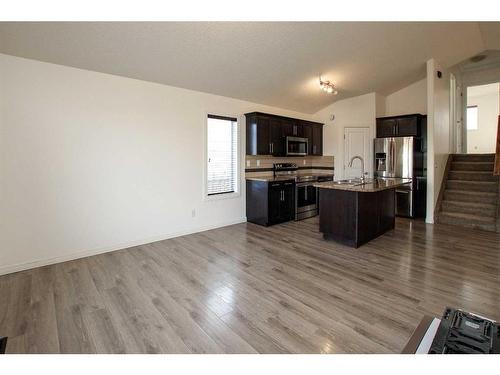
[[471, 193]]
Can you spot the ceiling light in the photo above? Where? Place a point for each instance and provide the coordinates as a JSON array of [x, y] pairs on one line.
[[327, 87]]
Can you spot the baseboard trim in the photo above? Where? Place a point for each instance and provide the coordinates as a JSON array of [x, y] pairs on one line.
[[8, 269]]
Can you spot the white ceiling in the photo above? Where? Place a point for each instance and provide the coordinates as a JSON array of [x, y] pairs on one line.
[[490, 59], [274, 63]]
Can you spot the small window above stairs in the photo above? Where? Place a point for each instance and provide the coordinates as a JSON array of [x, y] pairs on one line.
[[470, 196]]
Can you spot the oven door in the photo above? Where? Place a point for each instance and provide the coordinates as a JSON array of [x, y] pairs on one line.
[[306, 200], [296, 146]]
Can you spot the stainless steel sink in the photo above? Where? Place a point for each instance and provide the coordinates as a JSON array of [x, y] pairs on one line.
[[353, 182]]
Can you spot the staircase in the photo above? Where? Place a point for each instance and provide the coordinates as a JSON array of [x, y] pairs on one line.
[[471, 193]]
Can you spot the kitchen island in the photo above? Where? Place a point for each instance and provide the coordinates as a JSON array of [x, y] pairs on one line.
[[353, 213]]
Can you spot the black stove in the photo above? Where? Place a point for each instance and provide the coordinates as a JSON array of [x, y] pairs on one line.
[[291, 170], [462, 332], [285, 169]]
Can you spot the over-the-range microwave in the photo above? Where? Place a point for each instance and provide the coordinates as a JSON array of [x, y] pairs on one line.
[[296, 146]]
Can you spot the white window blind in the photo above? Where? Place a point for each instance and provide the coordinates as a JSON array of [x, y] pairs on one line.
[[222, 152], [472, 115]]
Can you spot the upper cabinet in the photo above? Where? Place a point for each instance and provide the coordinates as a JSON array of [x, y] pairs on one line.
[[257, 135], [266, 133], [313, 131], [316, 147], [401, 126]]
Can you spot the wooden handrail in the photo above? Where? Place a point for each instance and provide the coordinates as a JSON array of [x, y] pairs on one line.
[[496, 168]]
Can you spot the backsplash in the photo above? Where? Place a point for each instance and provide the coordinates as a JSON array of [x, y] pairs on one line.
[[313, 163]]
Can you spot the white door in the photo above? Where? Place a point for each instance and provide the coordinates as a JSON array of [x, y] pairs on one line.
[[357, 142]]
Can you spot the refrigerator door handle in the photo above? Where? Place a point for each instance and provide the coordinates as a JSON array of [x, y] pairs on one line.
[[391, 155]]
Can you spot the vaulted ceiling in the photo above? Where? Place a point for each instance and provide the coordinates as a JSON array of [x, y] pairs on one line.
[[274, 63]]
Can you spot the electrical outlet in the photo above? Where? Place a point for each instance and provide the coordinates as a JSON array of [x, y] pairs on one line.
[[258, 163], [304, 161], [193, 213]]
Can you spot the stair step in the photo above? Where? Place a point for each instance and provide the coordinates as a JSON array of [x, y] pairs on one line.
[[474, 208], [474, 157], [471, 166], [487, 186], [470, 196], [468, 220], [472, 176]]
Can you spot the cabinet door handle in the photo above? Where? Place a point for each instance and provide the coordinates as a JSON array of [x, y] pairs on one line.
[[288, 183], [305, 193], [270, 148], [314, 149], [282, 196]]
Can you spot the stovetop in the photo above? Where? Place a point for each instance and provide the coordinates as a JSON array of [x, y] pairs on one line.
[[291, 170]]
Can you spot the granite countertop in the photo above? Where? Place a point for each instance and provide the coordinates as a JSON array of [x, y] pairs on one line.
[[287, 178], [370, 187]]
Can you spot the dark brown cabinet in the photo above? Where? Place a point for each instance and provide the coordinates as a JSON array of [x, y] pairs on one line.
[[401, 126], [257, 136], [266, 133], [270, 203], [277, 145], [316, 146], [307, 131], [386, 128], [365, 215], [287, 128], [408, 127], [314, 134], [281, 202]]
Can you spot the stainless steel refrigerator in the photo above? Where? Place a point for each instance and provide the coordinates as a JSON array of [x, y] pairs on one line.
[[403, 157]]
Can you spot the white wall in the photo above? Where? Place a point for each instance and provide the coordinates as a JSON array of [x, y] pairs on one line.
[[474, 77], [483, 140], [380, 105], [91, 162], [411, 99], [359, 111], [438, 132]]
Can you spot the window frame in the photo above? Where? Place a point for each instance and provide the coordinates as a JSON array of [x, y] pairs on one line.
[[229, 195], [477, 117]]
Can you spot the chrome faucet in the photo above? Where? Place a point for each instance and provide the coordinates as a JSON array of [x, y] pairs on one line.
[[362, 166]]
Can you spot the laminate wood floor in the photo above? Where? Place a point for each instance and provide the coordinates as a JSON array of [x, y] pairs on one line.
[[249, 289]]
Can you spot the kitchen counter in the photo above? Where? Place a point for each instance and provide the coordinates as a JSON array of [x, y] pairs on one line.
[[354, 215], [370, 187], [286, 178]]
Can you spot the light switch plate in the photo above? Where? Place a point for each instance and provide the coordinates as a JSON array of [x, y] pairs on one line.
[[258, 163], [248, 163]]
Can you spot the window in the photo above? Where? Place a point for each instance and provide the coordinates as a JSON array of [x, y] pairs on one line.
[[472, 117], [222, 155]]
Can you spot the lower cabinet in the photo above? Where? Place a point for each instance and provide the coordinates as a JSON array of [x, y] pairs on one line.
[[270, 202]]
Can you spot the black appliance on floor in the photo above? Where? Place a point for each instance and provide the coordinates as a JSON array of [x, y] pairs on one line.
[[462, 332]]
